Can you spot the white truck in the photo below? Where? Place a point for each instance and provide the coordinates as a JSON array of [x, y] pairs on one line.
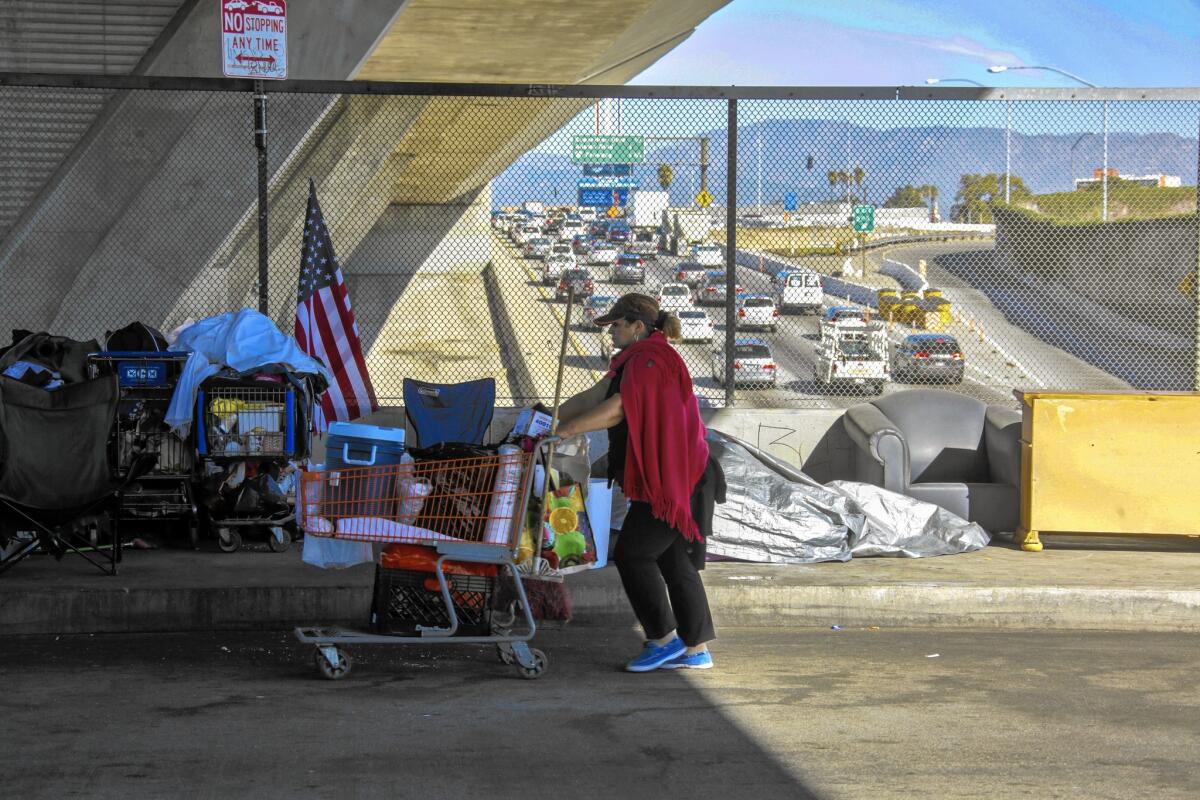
[[534, 207], [853, 351], [645, 209], [798, 290], [687, 226]]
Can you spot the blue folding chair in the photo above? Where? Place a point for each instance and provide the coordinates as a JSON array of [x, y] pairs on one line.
[[449, 412]]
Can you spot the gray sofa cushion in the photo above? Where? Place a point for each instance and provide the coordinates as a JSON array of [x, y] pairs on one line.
[[944, 433]]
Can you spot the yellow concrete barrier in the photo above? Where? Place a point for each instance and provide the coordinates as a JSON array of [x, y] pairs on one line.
[[1121, 463]]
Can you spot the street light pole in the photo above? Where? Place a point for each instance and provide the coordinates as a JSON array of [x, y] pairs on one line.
[[1074, 77], [1007, 151]]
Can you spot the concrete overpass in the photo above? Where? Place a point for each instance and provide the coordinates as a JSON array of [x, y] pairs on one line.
[[144, 209]]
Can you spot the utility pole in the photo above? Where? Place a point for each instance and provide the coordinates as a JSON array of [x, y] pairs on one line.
[[730, 249], [260, 144], [1196, 282]]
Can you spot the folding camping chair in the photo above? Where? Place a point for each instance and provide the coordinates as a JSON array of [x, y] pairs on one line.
[[449, 412], [57, 489]]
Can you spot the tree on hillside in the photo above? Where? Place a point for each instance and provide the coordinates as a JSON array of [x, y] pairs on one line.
[[977, 193], [905, 197], [665, 176]]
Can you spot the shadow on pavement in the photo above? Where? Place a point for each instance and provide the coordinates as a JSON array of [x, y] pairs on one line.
[[244, 714]]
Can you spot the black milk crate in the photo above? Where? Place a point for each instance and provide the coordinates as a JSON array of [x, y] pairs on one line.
[[407, 600]]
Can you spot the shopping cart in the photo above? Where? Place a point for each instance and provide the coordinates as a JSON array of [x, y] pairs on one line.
[[146, 382], [467, 515], [247, 432]]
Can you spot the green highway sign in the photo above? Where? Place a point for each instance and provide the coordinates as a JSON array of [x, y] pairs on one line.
[[608, 149], [864, 219]]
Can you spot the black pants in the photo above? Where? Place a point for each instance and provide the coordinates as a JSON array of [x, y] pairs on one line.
[[650, 552]]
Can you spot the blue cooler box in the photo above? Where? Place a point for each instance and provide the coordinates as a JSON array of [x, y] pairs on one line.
[[352, 445]]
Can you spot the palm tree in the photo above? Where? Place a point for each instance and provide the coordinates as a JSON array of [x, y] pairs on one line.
[[665, 176], [834, 179], [859, 175]]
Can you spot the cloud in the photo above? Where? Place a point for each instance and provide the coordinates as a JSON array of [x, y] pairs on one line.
[[955, 45]]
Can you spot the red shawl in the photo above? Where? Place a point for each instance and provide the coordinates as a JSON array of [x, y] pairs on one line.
[[667, 453]]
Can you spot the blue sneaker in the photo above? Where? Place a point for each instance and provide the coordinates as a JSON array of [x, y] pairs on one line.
[[694, 661], [654, 656]]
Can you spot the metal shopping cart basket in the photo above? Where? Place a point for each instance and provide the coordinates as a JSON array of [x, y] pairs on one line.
[[247, 430], [467, 515], [146, 382]]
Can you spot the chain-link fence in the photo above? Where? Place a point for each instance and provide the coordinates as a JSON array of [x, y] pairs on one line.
[[975, 239]]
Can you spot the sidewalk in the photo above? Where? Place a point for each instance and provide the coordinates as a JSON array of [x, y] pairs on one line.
[[1081, 584]]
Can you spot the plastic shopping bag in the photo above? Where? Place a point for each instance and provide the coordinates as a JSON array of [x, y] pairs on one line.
[[327, 553], [599, 512]]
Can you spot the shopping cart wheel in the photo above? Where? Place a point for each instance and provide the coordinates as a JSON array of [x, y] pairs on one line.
[[278, 539], [505, 654], [328, 669], [539, 666], [228, 540]]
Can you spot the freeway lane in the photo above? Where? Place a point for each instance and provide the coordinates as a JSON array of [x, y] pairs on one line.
[[999, 355], [959, 270]]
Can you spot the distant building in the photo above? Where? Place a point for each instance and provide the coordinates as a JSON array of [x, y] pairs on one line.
[[1153, 181]]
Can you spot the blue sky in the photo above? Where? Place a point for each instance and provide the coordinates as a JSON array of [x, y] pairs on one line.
[[903, 42]]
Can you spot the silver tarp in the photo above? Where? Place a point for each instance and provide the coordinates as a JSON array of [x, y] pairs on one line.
[[775, 514]]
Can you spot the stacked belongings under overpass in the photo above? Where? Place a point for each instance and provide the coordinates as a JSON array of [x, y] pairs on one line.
[[246, 393]]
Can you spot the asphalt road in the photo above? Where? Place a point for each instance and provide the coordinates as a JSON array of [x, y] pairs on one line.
[[786, 713], [998, 356]]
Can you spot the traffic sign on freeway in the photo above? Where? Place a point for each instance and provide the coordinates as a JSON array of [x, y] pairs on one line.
[[602, 196], [789, 201], [864, 218], [704, 199], [589, 149]]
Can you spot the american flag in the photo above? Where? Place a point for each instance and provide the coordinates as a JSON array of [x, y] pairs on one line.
[[325, 326]]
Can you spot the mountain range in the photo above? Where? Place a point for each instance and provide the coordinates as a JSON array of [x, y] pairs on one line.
[[889, 157]]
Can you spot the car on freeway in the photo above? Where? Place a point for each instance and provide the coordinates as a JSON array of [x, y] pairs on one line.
[[553, 268], [629, 268], [644, 242], [690, 273], [552, 230], [596, 305], [572, 227], [581, 244], [619, 232], [538, 247], [753, 364], [798, 290], [602, 253], [524, 233], [674, 297], [696, 325], [711, 255], [932, 357], [599, 228], [835, 314], [587, 213], [711, 290], [757, 311], [562, 249], [580, 280]]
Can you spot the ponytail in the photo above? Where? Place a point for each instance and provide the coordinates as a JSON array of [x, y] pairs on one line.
[[670, 326]]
